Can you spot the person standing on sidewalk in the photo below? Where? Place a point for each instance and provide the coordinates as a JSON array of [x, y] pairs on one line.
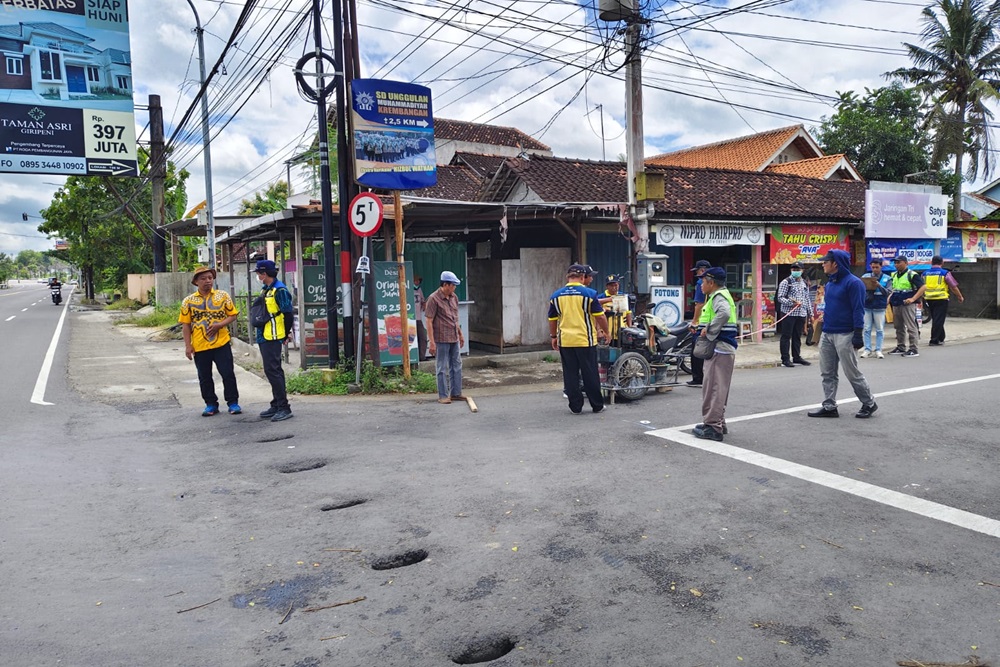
[[205, 316], [940, 283], [718, 323], [843, 334], [444, 337], [698, 365], [418, 312], [576, 321], [272, 336], [876, 298], [907, 289], [796, 306]]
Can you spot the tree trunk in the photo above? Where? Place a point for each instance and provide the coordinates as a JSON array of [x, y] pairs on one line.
[[956, 203]]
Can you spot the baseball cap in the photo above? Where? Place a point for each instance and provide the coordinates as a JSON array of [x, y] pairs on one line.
[[702, 264], [582, 269], [901, 258], [717, 274], [265, 265], [612, 278], [796, 265], [449, 277]]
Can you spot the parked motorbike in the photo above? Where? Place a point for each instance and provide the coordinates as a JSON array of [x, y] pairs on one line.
[[646, 355], [56, 291]]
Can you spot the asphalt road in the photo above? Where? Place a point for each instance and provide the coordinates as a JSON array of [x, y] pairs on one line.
[[537, 537]]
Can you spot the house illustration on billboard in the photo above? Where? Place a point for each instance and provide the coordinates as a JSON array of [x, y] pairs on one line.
[[56, 62]]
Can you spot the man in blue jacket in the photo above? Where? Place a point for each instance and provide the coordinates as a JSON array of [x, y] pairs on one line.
[[843, 326]]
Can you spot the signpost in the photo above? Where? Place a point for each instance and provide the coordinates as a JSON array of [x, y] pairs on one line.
[[365, 218], [67, 89]]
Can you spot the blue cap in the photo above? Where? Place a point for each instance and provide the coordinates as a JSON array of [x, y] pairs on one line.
[[265, 265], [449, 277], [717, 274]]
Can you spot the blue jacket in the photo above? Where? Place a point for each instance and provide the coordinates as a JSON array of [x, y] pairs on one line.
[[877, 299], [845, 298]]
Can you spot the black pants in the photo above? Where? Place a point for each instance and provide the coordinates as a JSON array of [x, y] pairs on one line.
[[938, 309], [270, 354], [577, 362], [697, 370], [222, 357], [791, 336]]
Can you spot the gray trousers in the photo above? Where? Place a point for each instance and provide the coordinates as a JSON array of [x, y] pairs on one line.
[[904, 318], [834, 348], [715, 389]]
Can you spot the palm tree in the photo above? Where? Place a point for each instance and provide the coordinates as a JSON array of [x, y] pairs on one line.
[[958, 72]]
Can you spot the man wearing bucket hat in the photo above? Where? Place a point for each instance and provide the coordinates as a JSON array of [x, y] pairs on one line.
[[444, 337], [205, 316]]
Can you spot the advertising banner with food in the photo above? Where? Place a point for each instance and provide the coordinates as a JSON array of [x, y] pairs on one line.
[[806, 243]]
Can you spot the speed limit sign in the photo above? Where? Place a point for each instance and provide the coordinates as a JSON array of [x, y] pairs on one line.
[[365, 214]]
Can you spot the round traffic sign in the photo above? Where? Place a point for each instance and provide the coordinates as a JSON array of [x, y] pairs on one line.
[[365, 215]]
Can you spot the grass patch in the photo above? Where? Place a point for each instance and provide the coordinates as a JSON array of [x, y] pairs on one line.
[[549, 358], [162, 316], [374, 380], [123, 304]]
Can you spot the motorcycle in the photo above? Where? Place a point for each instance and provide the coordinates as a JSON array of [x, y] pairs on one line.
[[647, 355], [56, 291]]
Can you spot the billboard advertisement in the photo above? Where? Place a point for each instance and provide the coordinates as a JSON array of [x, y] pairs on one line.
[[66, 88], [393, 135], [708, 234], [806, 243], [905, 215]]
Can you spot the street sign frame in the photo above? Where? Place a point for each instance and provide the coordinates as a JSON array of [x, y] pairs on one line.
[[364, 227]]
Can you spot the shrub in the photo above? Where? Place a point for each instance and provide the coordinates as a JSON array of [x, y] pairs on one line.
[[374, 380]]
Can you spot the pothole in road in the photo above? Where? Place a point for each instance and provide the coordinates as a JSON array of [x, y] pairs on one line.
[[343, 505], [484, 650], [302, 466], [399, 560], [276, 438]]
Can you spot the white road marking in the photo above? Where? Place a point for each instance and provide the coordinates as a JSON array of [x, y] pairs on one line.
[[10, 318], [927, 508], [24, 310], [38, 395]]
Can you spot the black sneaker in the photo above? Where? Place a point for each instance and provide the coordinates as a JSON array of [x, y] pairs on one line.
[[898, 350], [824, 412], [867, 411], [270, 412], [911, 353], [692, 383], [282, 415], [725, 429], [787, 364], [801, 362], [707, 433], [599, 410]]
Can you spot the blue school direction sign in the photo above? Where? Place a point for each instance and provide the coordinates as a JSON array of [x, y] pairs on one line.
[[393, 135]]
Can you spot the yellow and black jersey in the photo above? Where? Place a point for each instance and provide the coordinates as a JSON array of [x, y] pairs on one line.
[[575, 307]]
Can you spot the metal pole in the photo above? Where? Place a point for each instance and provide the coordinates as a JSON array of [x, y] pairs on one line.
[[633, 114], [205, 140], [343, 185]]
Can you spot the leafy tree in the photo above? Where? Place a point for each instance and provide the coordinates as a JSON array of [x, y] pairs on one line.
[[86, 212], [958, 72], [30, 263], [273, 199], [880, 133], [7, 266]]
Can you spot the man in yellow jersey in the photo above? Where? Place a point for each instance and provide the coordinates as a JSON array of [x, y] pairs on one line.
[[576, 321], [718, 323], [273, 335], [940, 286], [206, 316]]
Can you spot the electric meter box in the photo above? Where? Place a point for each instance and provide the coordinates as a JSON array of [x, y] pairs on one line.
[[651, 271]]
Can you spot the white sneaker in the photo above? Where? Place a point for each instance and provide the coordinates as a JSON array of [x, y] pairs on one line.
[[865, 353], [879, 355]]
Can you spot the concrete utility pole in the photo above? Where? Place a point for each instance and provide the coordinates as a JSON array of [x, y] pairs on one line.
[[633, 112], [205, 140], [158, 174]]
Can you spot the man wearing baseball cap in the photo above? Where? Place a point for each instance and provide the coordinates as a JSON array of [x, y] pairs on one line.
[[698, 365], [272, 336], [718, 323], [576, 320], [444, 337], [205, 316]]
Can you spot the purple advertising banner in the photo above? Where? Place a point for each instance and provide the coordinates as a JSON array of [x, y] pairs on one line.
[[905, 215]]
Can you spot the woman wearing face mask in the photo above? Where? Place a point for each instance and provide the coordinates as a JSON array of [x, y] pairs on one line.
[[793, 296]]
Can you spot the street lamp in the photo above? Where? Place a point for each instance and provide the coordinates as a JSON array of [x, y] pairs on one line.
[[209, 214]]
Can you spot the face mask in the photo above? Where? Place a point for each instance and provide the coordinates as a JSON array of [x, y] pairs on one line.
[[796, 274]]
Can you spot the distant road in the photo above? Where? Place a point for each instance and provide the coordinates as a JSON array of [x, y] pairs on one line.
[[27, 321]]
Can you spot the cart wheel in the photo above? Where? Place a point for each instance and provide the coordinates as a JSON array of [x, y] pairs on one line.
[[631, 372], [685, 366]]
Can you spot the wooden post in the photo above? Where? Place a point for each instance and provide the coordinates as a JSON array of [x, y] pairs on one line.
[[757, 272], [397, 214]]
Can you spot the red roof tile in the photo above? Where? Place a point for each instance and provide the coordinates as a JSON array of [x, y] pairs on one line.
[[454, 182], [817, 167], [750, 153], [481, 133]]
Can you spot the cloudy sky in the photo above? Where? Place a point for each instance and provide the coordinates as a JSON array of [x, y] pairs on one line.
[[712, 69]]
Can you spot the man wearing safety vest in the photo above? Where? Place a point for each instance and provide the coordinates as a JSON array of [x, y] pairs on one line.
[[940, 283], [718, 323], [907, 288], [272, 336]]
